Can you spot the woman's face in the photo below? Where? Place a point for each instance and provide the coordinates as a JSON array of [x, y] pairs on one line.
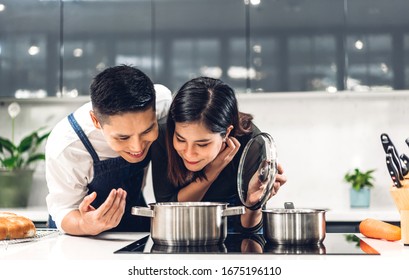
[[196, 145]]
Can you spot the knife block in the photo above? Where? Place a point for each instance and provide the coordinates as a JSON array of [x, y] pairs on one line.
[[401, 199]]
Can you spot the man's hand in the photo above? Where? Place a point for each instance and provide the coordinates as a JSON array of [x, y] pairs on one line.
[[91, 221]]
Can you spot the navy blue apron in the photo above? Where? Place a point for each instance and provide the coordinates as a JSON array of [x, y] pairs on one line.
[[116, 173]]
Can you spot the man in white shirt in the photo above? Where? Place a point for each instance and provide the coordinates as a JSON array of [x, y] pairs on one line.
[[96, 159]]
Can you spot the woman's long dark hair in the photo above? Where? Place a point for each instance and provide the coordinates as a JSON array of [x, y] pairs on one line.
[[207, 101]]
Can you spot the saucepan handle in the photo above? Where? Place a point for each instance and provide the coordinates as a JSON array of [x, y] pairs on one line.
[[232, 211], [142, 211]]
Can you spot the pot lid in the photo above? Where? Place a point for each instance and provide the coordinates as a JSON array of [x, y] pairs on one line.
[[257, 171], [290, 209]]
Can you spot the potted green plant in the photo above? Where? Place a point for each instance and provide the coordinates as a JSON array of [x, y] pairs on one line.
[[17, 163], [361, 183]]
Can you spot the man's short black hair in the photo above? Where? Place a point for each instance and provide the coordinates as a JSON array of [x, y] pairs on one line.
[[121, 89]]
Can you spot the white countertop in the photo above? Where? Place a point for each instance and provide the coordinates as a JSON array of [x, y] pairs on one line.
[[359, 214], [36, 214]]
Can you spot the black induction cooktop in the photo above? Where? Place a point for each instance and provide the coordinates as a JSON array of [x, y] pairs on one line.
[[333, 244]]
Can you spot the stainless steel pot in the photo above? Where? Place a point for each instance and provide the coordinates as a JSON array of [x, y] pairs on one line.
[[188, 223], [289, 249], [161, 249], [294, 226]]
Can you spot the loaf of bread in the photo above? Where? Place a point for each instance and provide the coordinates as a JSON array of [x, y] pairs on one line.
[[13, 226]]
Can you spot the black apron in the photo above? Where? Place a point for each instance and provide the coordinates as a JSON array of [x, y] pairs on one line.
[[112, 174]]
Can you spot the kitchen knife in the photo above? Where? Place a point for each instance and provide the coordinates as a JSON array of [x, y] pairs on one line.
[[393, 172], [387, 143], [405, 160], [397, 162]]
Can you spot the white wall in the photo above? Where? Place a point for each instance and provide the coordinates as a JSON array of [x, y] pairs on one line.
[[35, 114], [319, 137]]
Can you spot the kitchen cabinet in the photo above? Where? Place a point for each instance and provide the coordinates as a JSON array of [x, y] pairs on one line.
[[269, 46], [350, 226], [347, 220]]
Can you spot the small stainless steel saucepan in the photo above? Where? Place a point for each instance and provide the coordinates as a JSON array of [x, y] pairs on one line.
[[291, 249], [188, 223], [294, 226]]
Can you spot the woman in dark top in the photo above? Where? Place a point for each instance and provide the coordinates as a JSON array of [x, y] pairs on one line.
[[200, 146]]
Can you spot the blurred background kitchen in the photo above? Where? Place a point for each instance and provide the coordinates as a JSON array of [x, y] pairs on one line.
[[324, 77]]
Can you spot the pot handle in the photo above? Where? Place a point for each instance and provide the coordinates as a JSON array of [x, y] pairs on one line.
[[142, 211], [232, 211]]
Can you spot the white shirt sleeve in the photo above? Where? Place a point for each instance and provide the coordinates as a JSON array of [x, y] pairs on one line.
[[69, 167], [68, 172], [163, 100]]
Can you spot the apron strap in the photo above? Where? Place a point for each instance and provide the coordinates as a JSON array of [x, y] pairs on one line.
[[84, 139]]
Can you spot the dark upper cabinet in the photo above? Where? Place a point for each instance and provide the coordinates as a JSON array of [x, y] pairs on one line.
[[29, 48], [55, 47]]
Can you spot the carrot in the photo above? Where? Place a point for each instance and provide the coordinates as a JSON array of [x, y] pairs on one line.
[[367, 249], [380, 230]]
